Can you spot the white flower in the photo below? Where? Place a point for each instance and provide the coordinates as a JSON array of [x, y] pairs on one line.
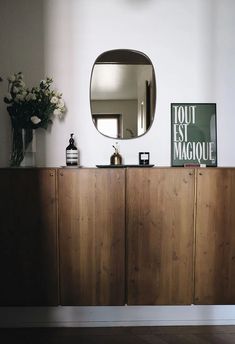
[[35, 119], [11, 78], [60, 104], [29, 97], [54, 100], [15, 89], [22, 83], [20, 97], [8, 96], [57, 112], [58, 94]]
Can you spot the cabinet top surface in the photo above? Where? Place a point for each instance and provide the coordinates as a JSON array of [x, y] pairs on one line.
[[113, 167]]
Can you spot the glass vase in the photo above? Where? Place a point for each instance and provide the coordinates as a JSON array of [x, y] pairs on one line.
[[23, 147]]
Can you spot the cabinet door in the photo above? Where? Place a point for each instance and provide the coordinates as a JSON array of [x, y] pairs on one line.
[[160, 221], [92, 236], [215, 237], [28, 238]]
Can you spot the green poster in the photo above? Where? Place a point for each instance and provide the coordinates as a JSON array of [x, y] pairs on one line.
[[193, 134]]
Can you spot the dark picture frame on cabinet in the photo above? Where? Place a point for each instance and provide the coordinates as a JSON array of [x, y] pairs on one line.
[[193, 134]]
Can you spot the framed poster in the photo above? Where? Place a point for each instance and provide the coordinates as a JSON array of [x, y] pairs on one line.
[[193, 134]]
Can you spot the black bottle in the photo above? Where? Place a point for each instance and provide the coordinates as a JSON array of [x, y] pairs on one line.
[[71, 153]]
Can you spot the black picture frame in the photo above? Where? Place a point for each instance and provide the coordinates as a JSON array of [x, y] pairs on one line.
[[193, 134]]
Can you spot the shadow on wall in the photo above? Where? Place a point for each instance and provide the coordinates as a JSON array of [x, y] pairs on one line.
[[33, 46], [22, 49]]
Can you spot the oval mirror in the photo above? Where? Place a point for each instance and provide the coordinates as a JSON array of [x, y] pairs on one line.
[[122, 94]]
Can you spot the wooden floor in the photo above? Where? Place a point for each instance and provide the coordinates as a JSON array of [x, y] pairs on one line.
[[121, 335]]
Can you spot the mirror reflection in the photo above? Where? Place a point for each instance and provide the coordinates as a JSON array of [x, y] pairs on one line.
[[122, 94]]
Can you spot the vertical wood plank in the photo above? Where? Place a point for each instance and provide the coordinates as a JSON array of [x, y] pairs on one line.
[[92, 236], [28, 237], [215, 237], [160, 208]]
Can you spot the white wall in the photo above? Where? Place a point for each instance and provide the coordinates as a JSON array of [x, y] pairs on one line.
[[191, 44]]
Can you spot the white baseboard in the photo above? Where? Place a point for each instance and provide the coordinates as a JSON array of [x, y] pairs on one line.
[[116, 316]]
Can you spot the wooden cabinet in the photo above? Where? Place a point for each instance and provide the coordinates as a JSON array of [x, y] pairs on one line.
[[141, 236], [215, 237], [92, 236], [160, 229], [28, 237]]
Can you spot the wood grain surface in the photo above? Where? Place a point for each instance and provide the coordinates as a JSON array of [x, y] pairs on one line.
[[28, 237], [92, 236], [160, 221], [215, 237]]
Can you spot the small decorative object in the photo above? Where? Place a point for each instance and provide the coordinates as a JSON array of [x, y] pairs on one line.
[[116, 158], [30, 109], [144, 158], [71, 153], [193, 134]]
